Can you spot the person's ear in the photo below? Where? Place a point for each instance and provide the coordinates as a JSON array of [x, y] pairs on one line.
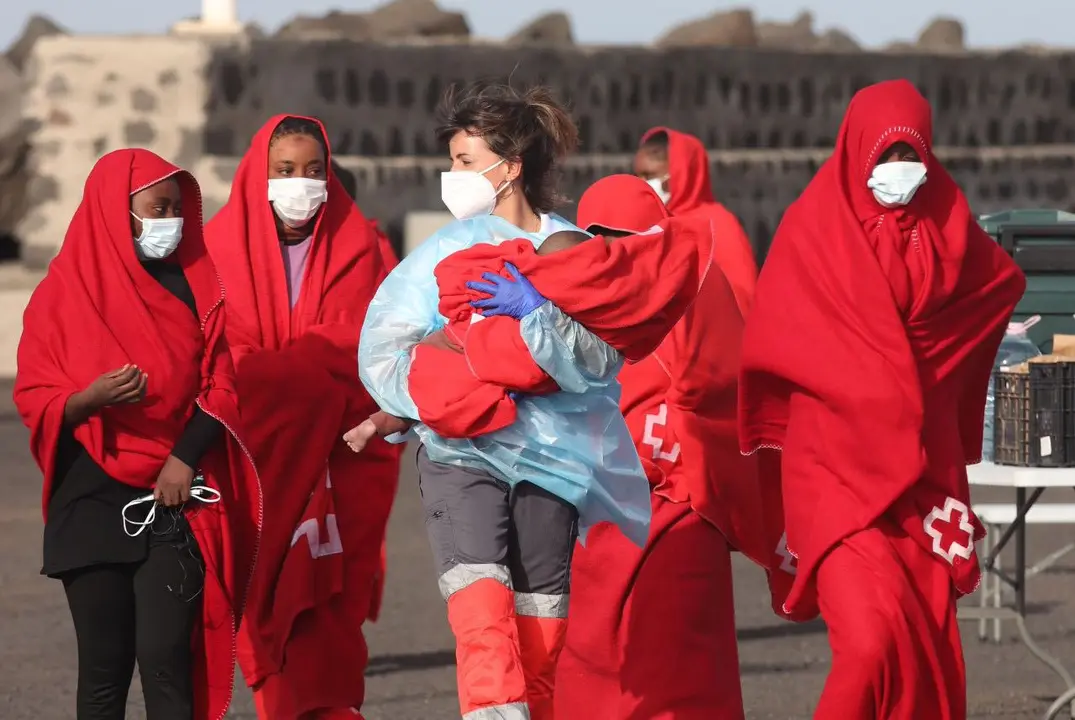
[[514, 170]]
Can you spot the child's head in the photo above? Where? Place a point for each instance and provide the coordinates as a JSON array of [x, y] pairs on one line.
[[620, 205], [562, 240]]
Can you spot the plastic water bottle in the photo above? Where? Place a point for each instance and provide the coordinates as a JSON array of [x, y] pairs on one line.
[[1016, 348]]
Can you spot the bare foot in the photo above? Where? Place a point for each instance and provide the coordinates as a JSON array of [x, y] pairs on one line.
[[357, 437]]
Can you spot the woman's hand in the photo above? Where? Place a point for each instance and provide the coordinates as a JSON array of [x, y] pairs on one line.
[[124, 385], [173, 483], [515, 298]]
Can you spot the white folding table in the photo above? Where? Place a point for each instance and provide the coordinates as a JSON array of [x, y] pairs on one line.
[[1022, 480]]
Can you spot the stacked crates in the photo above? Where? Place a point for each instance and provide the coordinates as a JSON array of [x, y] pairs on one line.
[[1035, 410]]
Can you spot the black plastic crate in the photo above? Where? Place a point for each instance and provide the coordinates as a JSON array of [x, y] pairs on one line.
[[1011, 422], [1034, 423]]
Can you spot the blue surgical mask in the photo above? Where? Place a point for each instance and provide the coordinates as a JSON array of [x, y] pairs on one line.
[[894, 184], [159, 239]]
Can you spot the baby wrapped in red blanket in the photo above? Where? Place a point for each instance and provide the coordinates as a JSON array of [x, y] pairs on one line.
[[445, 344], [463, 377]]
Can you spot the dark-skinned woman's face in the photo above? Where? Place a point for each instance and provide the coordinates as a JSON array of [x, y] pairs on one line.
[[157, 220], [162, 200], [899, 152], [897, 176], [298, 172], [296, 156]]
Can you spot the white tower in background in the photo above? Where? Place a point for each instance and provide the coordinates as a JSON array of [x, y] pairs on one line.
[[220, 13], [219, 17]]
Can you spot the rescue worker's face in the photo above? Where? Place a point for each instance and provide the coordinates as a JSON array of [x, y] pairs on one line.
[[652, 166], [471, 152]]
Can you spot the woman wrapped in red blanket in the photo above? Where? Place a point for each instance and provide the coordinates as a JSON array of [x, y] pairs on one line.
[[676, 166], [865, 360], [653, 629], [300, 264], [126, 384]]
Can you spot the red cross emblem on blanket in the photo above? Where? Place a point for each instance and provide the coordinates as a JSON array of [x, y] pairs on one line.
[[310, 528], [649, 437], [951, 530], [788, 562]]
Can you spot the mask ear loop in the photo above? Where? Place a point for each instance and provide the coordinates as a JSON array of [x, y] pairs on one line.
[[139, 527], [205, 494], [201, 493], [503, 186]]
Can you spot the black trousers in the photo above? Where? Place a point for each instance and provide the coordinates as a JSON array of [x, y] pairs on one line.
[[137, 611]]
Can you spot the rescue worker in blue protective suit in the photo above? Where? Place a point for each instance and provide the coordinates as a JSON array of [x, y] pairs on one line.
[[503, 510]]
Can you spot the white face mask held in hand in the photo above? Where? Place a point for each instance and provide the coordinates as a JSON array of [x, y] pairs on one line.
[[468, 194], [894, 184], [134, 528], [159, 239], [658, 187], [296, 200]]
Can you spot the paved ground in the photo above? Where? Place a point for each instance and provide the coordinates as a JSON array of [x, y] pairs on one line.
[[411, 674]]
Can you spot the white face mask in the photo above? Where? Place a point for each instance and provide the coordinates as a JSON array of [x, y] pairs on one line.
[[895, 183], [468, 194], [159, 239], [134, 528], [297, 200], [658, 187]]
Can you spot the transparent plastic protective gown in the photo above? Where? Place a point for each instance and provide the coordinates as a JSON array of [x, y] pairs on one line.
[[573, 443]]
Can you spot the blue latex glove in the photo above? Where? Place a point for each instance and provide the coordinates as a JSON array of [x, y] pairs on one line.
[[515, 298]]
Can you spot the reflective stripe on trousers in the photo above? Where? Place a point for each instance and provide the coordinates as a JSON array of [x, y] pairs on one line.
[[466, 574], [512, 711], [526, 604], [541, 606]]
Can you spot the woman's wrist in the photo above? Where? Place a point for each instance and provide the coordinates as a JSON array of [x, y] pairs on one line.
[[78, 408]]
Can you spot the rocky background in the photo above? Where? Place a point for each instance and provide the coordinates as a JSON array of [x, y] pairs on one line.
[[410, 20], [15, 133], [409, 23]]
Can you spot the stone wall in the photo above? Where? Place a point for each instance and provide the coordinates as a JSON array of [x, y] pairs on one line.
[[756, 185], [89, 95], [379, 100], [198, 102]]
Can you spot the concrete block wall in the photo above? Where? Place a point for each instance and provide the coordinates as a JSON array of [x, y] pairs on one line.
[[379, 101], [769, 116], [756, 185], [89, 95]]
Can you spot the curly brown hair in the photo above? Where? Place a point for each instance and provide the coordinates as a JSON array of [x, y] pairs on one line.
[[529, 126]]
